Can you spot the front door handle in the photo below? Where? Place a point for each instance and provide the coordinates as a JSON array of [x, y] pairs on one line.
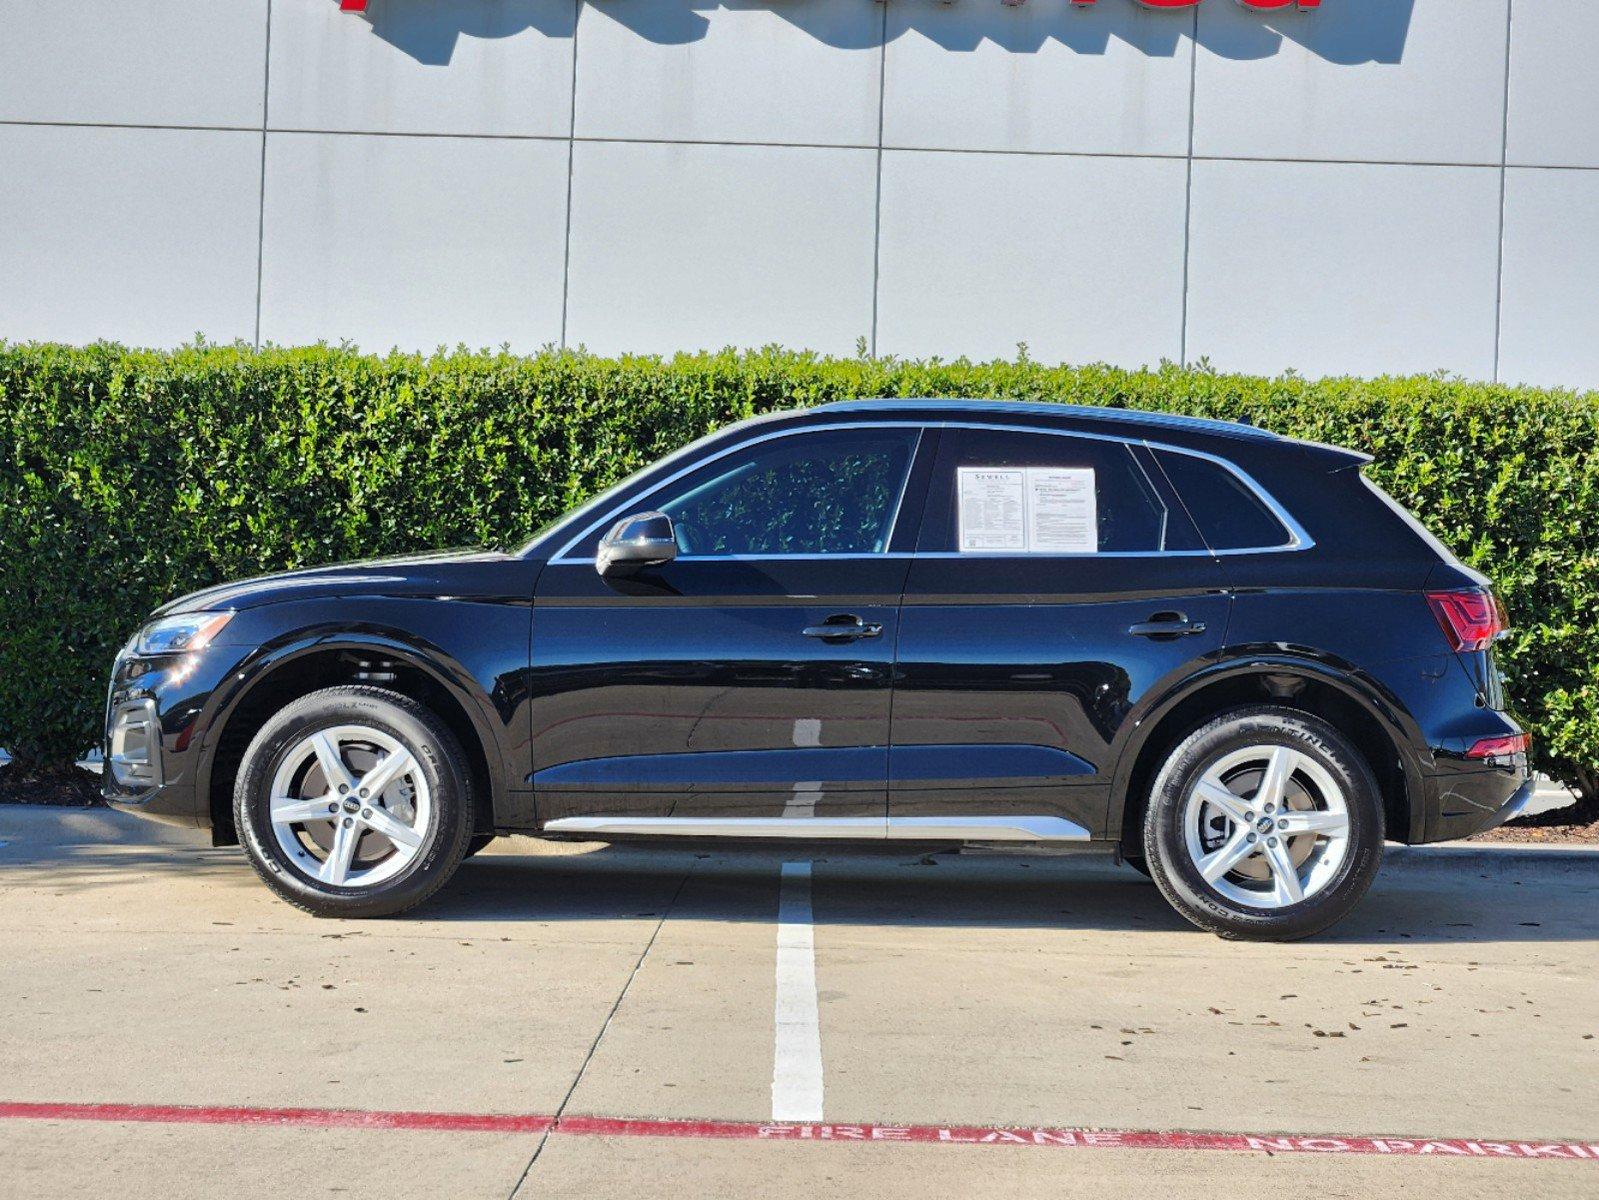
[[843, 628], [1166, 625]]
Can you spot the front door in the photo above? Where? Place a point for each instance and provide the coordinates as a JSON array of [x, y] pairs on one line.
[[1057, 579], [744, 686]]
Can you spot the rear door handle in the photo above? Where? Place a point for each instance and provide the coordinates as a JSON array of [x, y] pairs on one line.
[[843, 628], [1166, 625]]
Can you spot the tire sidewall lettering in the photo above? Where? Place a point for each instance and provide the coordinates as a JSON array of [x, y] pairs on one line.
[[1165, 847]]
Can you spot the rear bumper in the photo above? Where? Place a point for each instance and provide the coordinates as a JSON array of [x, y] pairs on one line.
[[1517, 804], [1464, 803]]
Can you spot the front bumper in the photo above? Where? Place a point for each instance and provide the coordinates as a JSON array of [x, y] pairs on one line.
[[133, 746], [171, 804], [153, 728]]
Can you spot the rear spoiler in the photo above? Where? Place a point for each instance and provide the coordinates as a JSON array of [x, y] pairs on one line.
[[1333, 459]]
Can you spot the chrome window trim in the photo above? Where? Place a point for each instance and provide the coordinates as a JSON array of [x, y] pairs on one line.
[[893, 526], [1298, 537], [598, 498], [808, 557]]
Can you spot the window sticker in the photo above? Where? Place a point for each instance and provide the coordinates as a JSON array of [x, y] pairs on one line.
[[992, 509], [1062, 511], [1028, 510]]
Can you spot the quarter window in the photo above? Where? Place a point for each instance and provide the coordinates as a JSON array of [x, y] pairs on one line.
[[1228, 512], [833, 492], [1015, 492]]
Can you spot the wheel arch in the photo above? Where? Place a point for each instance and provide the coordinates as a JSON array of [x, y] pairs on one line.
[[1377, 725], [298, 665]]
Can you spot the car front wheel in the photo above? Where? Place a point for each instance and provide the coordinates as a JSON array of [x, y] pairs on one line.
[[353, 802], [1264, 823]]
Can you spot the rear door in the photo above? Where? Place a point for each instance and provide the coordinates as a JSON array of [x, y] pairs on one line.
[[1056, 581], [743, 687]]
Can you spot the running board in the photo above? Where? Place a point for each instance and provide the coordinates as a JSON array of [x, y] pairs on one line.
[[904, 829]]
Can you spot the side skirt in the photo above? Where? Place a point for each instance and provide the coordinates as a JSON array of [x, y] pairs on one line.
[[904, 829]]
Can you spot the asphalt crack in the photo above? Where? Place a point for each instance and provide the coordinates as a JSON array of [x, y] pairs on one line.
[[560, 1109]]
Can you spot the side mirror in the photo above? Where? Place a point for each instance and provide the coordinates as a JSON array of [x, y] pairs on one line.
[[643, 540]]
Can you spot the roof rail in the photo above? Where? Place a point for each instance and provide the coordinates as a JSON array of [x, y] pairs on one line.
[[1075, 411]]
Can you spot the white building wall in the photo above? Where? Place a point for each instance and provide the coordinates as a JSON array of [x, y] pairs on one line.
[[1380, 185]]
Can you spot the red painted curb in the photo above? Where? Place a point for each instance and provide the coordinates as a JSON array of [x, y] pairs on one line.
[[325, 1118], [1083, 1139], [949, 1135]]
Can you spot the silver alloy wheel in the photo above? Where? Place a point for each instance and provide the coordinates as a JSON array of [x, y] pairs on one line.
[[1266, 826], [350, 806]]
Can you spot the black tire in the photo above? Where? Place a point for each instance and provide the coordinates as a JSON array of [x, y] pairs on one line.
[[1166, 850], [477, 842], [439, 759]]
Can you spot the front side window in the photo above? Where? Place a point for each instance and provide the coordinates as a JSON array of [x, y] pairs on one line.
[[1013, 492], [831, 492]]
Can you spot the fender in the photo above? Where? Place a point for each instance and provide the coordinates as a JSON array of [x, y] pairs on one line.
[[1327, 669], [289, 647]]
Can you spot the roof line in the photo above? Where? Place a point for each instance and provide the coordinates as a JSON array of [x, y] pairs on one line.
[[1047, 408]]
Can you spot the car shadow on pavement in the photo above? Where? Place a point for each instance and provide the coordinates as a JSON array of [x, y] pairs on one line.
[[1439, 894], [1436, 896], [83, 867]]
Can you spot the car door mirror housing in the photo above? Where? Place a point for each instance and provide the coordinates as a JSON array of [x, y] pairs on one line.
[[645, 539]]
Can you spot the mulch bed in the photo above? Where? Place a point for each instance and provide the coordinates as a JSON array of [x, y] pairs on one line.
[[1574, 825], [72, 786], [1548, 835]]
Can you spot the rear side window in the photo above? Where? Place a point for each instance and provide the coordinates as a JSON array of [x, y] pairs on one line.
[[1227, 511], [1017, 492]]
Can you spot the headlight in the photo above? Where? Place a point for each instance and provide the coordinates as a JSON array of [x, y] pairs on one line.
[[176, 634]]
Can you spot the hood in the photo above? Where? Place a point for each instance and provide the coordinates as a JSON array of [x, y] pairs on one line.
[[420, 574]]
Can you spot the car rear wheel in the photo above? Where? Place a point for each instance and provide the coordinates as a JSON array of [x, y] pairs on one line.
[[353, 802], [1264, 823]]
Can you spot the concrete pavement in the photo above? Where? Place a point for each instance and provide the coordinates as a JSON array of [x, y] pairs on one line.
[[140, 966]]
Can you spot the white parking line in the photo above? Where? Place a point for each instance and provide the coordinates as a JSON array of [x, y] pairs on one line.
[[802, 804], [797, 1063]]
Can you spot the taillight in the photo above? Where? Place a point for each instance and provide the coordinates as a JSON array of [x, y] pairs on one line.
[[1501, 747], [1470, 620]]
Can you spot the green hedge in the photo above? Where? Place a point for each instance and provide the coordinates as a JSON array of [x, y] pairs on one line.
[[127, 477]]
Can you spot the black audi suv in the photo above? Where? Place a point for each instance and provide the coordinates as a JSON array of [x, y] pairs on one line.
[[1221, 654]]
